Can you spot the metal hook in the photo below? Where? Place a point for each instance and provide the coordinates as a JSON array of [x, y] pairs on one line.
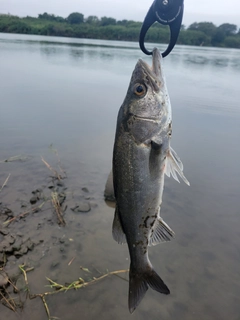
[[166, 12]]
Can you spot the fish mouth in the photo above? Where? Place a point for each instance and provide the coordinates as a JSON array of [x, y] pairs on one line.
[[154, 73]]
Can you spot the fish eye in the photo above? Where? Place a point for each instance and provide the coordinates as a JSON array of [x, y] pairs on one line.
[[139, 89]]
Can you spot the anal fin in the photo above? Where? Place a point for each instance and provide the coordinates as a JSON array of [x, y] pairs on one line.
[[117, 230], [161, 232]]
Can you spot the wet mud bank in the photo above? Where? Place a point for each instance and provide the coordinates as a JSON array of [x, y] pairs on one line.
[[41, 234]]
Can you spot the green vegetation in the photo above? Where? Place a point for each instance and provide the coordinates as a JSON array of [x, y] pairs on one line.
[[75, 25]]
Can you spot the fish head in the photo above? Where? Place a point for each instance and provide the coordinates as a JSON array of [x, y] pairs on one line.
[[147, 95]]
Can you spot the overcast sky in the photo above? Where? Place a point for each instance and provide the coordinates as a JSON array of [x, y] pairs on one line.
[[216, 11]]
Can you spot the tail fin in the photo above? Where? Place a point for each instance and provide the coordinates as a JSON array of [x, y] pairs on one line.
[[138, 286]]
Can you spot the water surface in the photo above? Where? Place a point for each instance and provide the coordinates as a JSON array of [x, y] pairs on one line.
[[67, 92]]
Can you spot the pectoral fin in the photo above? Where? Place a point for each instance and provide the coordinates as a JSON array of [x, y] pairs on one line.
[[117, 230], [174, 166], [161, 232]]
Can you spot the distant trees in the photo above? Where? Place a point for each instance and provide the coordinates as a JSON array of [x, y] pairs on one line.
[[224, 35], [46, 16], [207, 28], [105, 21], [50, 17], [228, 29], [75, 18], [75, 25], [232, 42], [92, 20]]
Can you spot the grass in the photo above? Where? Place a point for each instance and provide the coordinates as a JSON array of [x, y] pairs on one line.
[[59, 288], [58, 209], [5, 182], [24, 214]]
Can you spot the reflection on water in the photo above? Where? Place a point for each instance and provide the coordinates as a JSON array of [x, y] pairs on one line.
[[68, 92], [107, 49]]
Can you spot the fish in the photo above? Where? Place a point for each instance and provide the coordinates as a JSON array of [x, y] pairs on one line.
[[142, 155]]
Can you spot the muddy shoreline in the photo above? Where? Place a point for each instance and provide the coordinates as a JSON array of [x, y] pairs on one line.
[[31, 226]]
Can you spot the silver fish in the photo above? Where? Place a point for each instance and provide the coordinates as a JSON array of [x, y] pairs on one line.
[[141, 156]]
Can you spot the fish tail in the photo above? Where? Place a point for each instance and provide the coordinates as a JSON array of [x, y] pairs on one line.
[[138, 286]]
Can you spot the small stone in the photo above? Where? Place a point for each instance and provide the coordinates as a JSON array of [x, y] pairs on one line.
[[62, 249], [10, 239], [82, 207], [37, 191], [61, 240], [22, 251], [29, 244], [85, 189], [5, 245], [33, 200], [17, 245], [12, 269]]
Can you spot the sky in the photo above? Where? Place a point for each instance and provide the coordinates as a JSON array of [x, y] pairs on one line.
[[216, 11]]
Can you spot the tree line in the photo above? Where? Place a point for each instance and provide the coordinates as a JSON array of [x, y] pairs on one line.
[[76, 25]]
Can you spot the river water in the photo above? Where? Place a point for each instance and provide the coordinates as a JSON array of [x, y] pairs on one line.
[[67, 92]]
